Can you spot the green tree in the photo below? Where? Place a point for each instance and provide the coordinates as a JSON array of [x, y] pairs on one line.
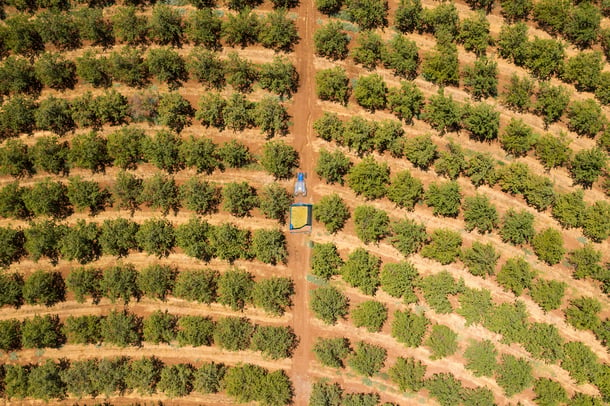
[[553, 151], [23, 37], [369, 50], [444, 246], [444, 198], [409, 328], [200, 196], [332, 352], [42, 240], [371, 92], [269, 246], [240, 73], [405, 190], [11, 246], [239, 198], [441, 65], [235, 288], [580, 362], [42, 332], [17, 116], [359, 135], [408, 374], [168, 66], [450, 163], [549, 392], [195, 331], [11, 288], [445, 388], [128, 66], [160, 192], [437, 288], [279, 159], [273, 294], [480, 213], [372, 225], [328, 304], [544, 57], [517, 227], [89, 151], [551, 102], [48, 198], [442, 113], [331, 41], [517, 138], [582, 25], [405, 101], [165, 26], [332, 211], [156, 237], [421, 151], [238, 112], [229, 242], [121, 328], [333, 85], [54, 71], [474, 33], [587, 166], [569, 209], [143, 374], [274, 202], [515, 275], [53, 114], [175, 111], [368, 14], [120, 282], [204, 65], [159, 327], [176, 380], [46, 288], [586, 117], [278, 31], [399, 280], [514, 374], [275, 342], [442, 341], [584, 70], [518, 93], [482, 121], [586, 261], [44, 381], [481, 358], [596, 224], [582, 313], [15, 160], [475, 305], [125, 147], [401, 55], [85, 282], [543, 342], [18, 76], [197, 285], [408, 16], [211, 110], [209, 377], [128, 27], [329, 127], [157, 281], [367, 359], [271, 117], [163, 151], [80, 243], [548, 246], [369, 178], [481, 259], [118, 236], [514, 10], [233, 333], [361, 270], [242, 28], [325, 260], [84, 194], [370, 314], [204, 27]]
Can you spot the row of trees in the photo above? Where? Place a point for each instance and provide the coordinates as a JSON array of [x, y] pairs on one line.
[[234, 288], [166, 25], [121, 328], [21, 114], [58, 200], [145, 376], [85, 242], [131, 67], [374, 181], [129, 147], [32, 6]]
